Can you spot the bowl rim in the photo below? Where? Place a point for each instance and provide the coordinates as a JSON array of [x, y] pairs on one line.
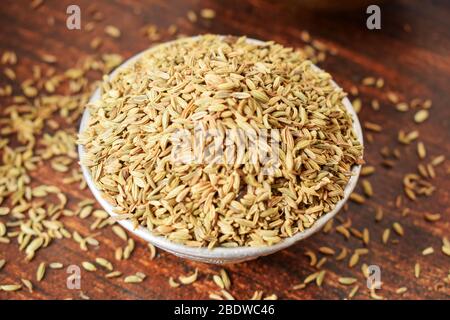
[[227, 253]]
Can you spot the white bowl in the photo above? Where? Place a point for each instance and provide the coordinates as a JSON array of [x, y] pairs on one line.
[[218, 255]]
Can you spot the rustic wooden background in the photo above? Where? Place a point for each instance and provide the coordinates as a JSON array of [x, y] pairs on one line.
[[411, 53]]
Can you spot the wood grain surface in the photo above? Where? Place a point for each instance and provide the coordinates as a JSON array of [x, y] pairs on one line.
[[411, 53]]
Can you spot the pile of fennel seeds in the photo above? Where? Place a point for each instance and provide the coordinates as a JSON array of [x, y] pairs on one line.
[[224, 83]]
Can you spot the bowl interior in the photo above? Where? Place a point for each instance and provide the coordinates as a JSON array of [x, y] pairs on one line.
[[218, 254]]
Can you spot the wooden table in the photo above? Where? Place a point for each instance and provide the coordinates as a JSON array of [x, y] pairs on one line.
[[411, 54]]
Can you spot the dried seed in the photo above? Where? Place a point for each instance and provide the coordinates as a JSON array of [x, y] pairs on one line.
[[435, 162], [225, 279], [410, 193], [88, 266], [385, 237], [445, 242], [354, 90], [312, 257], [215, 296], [417, 270], [84, 296], [392, 97], [398, 228], [227, 295], [305, 36], [328, 226], [95, 43], [118, 253], [113, 274], [421, 116], [192, 16], [207, 13], [344, 231], [402, 106], [189, 278], [357, 105], [9, 73], [353, 291], [327, 250], [366, 236], [427, 104], [401, 290], [133, 279], [353, 260], [120, 232], [431, 171], [141, 275], [342, 255], [40, 273], [356, 233], [347, 280], [299, 286], [128, 249], [218, 281], [421, 150], [365, 270], [48, 58], [27, 284], [112, 31], [446, 250], [36, 4], [388, 163], [85, 212], [33, 247], [432, 217], [320, 278], [355, 197], [173, 283], [312, 277], [380, 83], [56, 265], [428, 251], [375, 296], [10, 287], [152, 250], [375, 105], [321, 262], [367, 187], [372, 126], [379, 214], [2, 229], [362, 251], [104, 263], [368, 81], [367, 170]]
